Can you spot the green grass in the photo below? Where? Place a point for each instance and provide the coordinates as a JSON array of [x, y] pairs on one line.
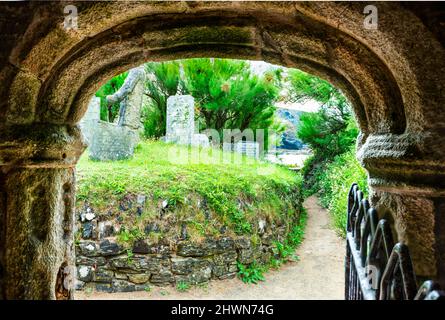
[[251, 273], [235, 195], [333, 183], [182, 286]]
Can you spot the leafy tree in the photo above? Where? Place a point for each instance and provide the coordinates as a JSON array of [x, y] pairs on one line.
[[163, 81], [110, 112], [330, 131], [228, 95]]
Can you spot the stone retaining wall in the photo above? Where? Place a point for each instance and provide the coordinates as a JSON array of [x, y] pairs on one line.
[[106, 266]]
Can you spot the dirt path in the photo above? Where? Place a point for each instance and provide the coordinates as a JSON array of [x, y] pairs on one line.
[[318, 274]]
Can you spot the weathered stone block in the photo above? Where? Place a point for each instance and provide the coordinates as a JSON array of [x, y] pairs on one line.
[[112, 142], [89, 230], [198, 276], [162, 278], [85, 273], [242, 243], [104, 287], [89, 121], [180, 119], [224, 265], [188, 249], [120, 275], [109, 248], [224, 244], [90, 261], [206, 248], [105, 229], [139, 278], [142, 247], [225, 258], [103, 275], [88, 248], [145, 247], [246, 256], [137, 264], [123, 286], [185, 266]]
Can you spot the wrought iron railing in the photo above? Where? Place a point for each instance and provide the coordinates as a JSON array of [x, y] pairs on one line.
[[375, 267]]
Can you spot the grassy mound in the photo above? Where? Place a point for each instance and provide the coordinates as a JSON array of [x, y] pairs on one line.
[[228, 197]]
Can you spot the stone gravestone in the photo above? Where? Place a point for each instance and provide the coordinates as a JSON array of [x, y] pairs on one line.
[[131, 104], [180, 119], [116, 141], [89, 122], [112, 142], [181, 122]]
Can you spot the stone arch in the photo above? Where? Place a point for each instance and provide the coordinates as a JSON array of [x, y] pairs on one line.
[[310, 45], [393, 76]]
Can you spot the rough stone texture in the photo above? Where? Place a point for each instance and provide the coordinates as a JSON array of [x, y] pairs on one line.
[[88, 125], [129, 97], [112, 142], [191, 262], [116, 141], [393, 77], [181, 122], [180, 119]]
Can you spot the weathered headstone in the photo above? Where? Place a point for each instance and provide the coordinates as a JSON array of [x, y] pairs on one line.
[[200, 140], [112, 142], [180, 119], [130, 105], [116, 141], [89, 122]]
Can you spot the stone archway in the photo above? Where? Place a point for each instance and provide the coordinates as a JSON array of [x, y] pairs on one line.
[[393, 76]]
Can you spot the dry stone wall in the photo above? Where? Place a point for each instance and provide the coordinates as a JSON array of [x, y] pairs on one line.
[[106, 266], [105, 263]]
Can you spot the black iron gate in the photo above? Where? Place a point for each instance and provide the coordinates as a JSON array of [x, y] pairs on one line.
[[375, 267]]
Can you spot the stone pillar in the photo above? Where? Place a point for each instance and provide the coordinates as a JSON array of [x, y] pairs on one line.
[[407, 187], [37, 203]]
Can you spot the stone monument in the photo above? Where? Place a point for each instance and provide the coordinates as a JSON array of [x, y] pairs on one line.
[[180, 127], [116, 141], [88, 125]]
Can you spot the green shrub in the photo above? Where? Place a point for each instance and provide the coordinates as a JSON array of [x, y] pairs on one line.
[[182, 286], [284, 251], [251, 273], [334, 183]]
